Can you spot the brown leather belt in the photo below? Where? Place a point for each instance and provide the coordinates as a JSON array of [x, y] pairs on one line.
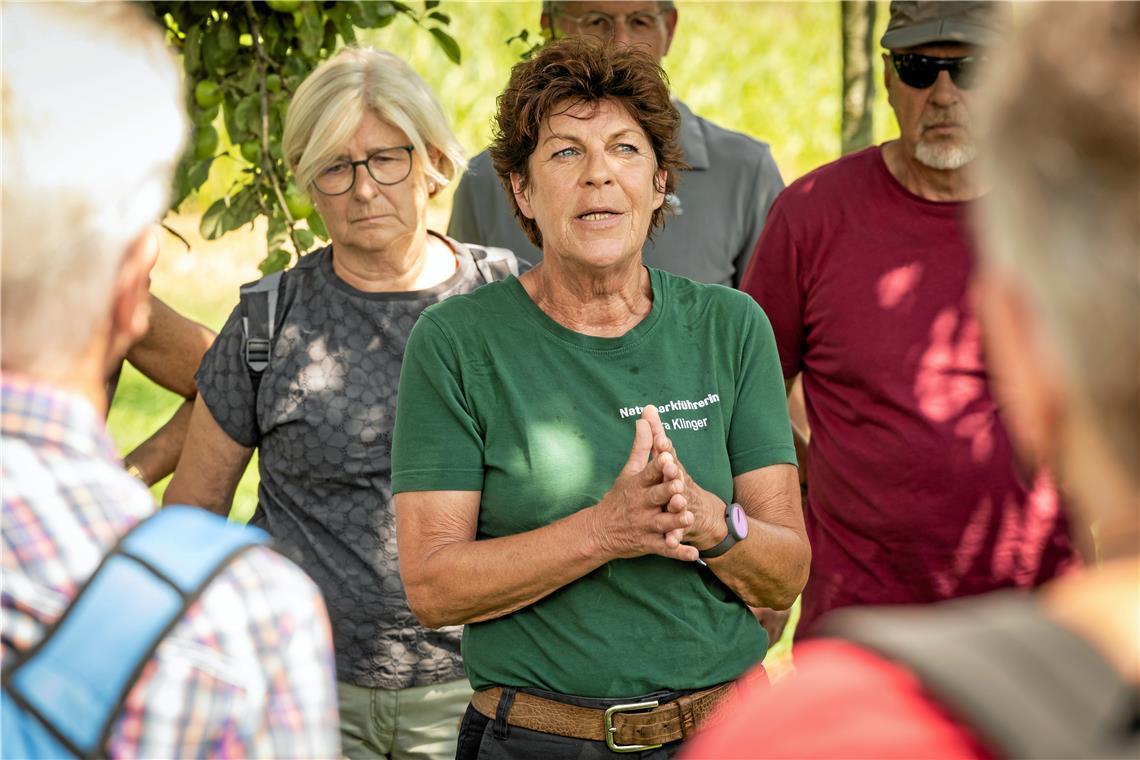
[[624, 727]]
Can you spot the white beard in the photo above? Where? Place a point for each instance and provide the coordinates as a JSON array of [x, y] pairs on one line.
[[945, 156]]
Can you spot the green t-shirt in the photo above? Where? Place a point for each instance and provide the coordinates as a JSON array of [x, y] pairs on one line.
[[497, 397]]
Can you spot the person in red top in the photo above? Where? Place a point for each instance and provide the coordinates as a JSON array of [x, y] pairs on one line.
[[1058, 289], [863, 270]]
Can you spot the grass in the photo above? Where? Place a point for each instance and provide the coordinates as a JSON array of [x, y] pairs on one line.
[[771, 70]]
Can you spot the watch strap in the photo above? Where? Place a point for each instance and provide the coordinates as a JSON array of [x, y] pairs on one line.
[[730, 538]]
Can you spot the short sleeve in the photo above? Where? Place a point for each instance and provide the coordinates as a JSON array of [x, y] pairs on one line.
[[760, 433], [225, 386], [437, 444], [772, 278]]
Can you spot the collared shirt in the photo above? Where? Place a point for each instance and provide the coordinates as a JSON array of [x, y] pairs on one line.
[[719, 205], [247, 671]]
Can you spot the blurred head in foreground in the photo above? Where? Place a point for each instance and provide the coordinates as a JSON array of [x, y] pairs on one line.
[[93, 126], [1060, 243]]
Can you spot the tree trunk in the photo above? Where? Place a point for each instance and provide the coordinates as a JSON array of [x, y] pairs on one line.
[[858, 21]]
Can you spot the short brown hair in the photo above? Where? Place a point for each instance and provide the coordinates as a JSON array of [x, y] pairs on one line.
[[583, 71]]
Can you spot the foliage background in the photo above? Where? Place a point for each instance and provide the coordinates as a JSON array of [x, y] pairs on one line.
[[768, 69]]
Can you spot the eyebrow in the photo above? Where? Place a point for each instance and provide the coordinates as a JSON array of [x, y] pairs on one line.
[[621, 133]]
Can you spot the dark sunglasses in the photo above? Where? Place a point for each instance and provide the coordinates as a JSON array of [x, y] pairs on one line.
[[921, 71]]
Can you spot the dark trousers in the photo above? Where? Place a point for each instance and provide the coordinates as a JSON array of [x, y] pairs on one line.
[[482, 738]]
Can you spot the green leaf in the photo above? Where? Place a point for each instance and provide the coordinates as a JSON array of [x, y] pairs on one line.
[[248, 80], [449, 45], [275, 262], [312, 31], [181, 187], [276, 234], [305, 239], [401, 7], [442, 18], [317, 225], [429, 4], [247, 115], [243, 208], [227, 37], [192, 50], [198, 173], [212, 226], [339, 15], [238, 134], [363, 15]]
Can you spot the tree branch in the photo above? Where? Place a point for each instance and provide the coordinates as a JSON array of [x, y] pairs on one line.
[[266, 156]]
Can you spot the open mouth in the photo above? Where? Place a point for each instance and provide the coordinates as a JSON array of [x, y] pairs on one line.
[[598, 215]]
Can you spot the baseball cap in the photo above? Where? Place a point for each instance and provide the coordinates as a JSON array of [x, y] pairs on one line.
[[920, 23]]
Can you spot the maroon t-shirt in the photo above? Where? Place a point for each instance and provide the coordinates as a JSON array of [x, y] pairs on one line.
[[913, 489]]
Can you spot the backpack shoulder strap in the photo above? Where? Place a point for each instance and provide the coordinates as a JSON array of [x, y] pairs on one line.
[[1027, 686], [495, 263], [74, 681], [263, 306], [259, 300]]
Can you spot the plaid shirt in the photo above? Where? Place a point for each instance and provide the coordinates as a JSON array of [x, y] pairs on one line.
[[248, 672]]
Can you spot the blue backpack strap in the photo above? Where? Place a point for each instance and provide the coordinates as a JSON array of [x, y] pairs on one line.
[[69, 688]]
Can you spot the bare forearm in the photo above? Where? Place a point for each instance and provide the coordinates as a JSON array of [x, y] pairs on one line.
[[156, 457], [498, 575], [768, 569], [210, 466]]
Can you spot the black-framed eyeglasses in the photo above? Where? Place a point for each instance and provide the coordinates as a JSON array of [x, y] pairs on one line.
[[921, 71], [387, 166], [599, 24]]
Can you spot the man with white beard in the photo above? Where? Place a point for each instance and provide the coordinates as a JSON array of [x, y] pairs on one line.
[[863, 269]]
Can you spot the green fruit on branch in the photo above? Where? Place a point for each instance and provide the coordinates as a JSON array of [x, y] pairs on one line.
[[205, 142], [203, 117], [273, 83], [251, 151], [207, 94], [284, 6], [300, 207]]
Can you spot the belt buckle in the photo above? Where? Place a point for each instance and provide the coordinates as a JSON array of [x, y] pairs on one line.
[[611, 731]]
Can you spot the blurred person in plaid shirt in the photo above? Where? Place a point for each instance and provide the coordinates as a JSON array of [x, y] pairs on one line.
[[93, 126]]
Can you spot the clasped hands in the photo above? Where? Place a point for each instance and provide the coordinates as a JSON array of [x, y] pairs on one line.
[[654, 506]]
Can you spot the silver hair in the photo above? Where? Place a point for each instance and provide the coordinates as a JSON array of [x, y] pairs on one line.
[[330, 103], [93, 126]]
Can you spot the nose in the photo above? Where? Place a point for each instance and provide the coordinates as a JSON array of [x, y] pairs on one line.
[[621, 35], [597, 171], [944, 91], [364, 188]]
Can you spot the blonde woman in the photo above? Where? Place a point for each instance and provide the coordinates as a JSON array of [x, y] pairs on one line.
[[371, 144]]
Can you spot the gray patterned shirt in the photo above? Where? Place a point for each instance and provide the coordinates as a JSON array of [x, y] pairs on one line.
[[323, 427]]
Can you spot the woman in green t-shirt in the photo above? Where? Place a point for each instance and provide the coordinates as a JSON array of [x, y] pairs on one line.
[[604, 586]]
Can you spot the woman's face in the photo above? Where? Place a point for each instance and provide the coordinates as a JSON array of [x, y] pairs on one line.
[[593, 185], [372, 218]]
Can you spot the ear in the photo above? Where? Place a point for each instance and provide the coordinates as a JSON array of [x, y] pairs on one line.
[[659, 180], [130, 302], [436, 158], [521, 195], [670, 29], [435, 155], [888, 77]]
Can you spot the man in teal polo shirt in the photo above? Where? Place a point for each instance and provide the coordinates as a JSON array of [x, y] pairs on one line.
[[721, 201]]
